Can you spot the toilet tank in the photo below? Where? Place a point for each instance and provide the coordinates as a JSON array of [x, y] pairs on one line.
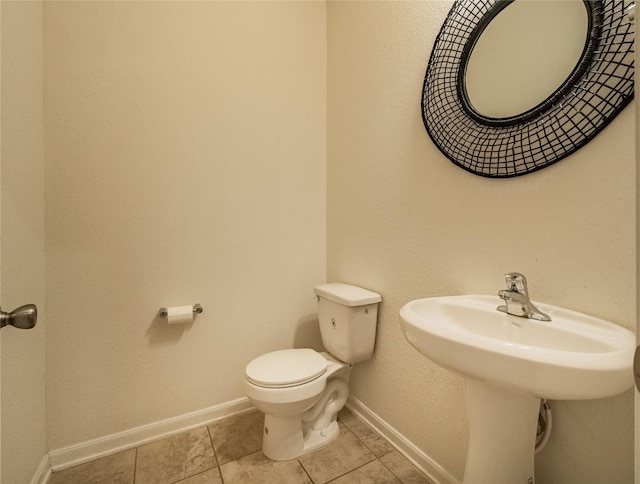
[[348, 316]]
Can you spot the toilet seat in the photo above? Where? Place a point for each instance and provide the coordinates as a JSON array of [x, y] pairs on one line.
[[286, 368]]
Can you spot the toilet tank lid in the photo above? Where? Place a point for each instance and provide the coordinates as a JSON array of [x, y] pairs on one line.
[[347, 294]]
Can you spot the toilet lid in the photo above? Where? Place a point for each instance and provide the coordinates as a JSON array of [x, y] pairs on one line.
[[286, 368]]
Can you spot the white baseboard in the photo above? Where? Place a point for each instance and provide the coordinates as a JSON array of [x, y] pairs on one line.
[[43, 473], [110, 444], [422, 461]]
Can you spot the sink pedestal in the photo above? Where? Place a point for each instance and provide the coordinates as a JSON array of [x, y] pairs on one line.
[[502, 428]]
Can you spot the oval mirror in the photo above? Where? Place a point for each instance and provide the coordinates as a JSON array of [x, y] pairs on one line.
[[505, 115], [545, 42]]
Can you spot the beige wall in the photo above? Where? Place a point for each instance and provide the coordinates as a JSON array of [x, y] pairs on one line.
[[185, 162], [22, 247], [404, 221]]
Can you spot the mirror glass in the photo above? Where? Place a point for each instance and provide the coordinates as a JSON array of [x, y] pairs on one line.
[[524, 55]]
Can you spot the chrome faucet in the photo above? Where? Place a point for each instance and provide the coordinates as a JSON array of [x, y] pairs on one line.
[[516, 297]]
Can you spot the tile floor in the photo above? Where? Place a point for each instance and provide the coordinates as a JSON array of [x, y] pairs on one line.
[[228, 452]]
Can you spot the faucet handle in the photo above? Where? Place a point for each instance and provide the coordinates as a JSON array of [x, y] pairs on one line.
[[516, 282]]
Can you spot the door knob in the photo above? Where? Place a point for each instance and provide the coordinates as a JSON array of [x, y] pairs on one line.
[[636, 367], [24, 317]]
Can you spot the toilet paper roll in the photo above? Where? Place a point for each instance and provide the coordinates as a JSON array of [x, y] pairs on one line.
[[179, 314]]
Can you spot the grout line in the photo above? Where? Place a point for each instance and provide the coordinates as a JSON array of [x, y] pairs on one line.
[[390, 470], [213, 447], [350, 471], [304, 469], [135, 466], [215, 454]]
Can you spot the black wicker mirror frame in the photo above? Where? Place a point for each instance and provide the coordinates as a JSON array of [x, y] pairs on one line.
[[599, 87]]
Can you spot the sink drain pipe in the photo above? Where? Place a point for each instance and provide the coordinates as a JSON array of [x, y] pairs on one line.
[[544, 425]]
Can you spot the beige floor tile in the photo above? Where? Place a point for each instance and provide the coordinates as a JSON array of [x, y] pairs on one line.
[[357, 426], [374, 442], [208, 477], [372, 473], [344, 455], [344, 413], [114, 469], [237, 436], [175, 458], [257, 469], [403, 469]]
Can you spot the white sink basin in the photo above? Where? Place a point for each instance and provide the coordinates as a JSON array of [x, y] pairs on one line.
[[572, 357]]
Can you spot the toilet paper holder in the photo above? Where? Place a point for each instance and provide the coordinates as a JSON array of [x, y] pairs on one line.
[[197, 308]]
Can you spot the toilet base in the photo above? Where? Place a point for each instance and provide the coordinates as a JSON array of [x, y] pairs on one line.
[[316, 439], [283, 437], [287, 437]]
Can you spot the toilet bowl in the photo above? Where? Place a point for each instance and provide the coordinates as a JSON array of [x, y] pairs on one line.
[[301, 390], [300, 410]]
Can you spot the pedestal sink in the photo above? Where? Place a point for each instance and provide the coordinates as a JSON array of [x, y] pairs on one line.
[[508, 363]]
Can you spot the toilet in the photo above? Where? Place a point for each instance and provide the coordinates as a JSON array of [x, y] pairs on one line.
[[301, 390]]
